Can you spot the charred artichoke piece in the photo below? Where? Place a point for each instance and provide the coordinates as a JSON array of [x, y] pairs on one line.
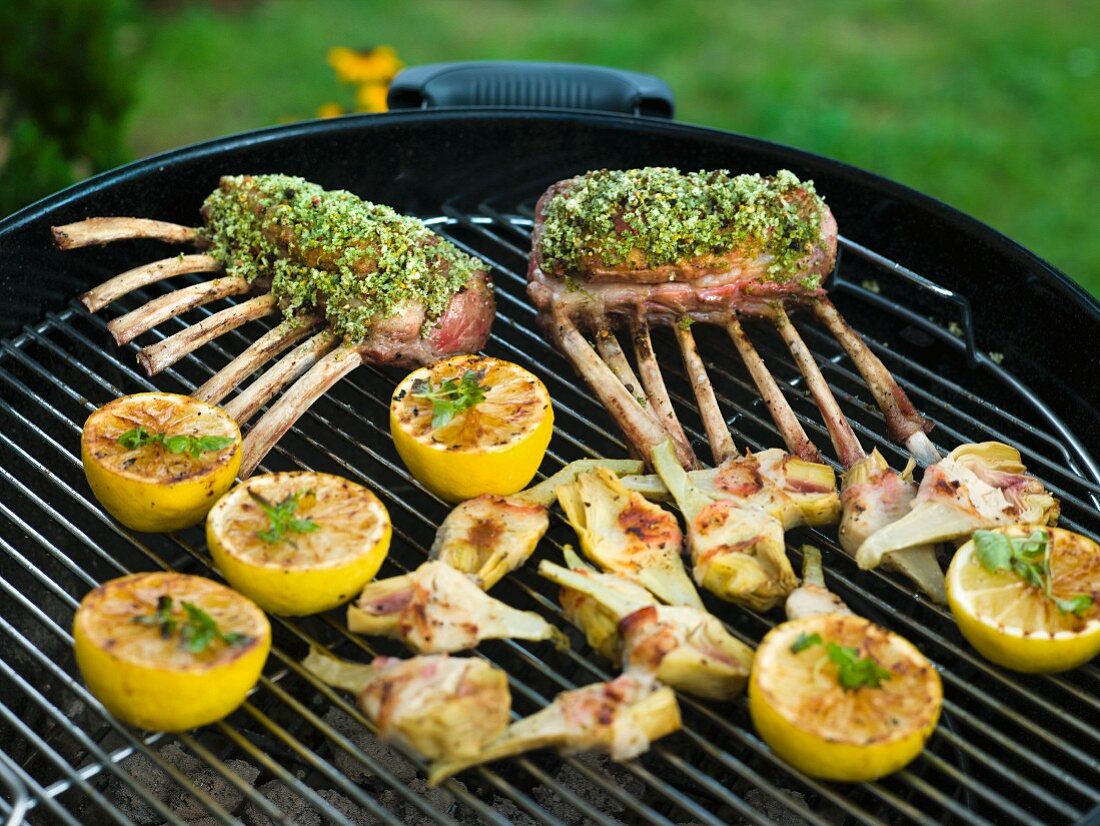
[[975, 487], [738, 552], [794, 491], [874, 496], [437, 609], [626, 535], [682, 646], [620, 718], [812, 597], [445, 708], [490, 536]]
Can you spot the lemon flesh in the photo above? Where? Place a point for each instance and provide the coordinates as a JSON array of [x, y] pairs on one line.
[[154, 681], [494, 447], [830, 732], [303, 572], [1016, 625], [148, 488]]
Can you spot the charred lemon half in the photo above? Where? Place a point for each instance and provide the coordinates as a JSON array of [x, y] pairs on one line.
[[159, 461], [469, 425], [1032, 603], [840, 698], [169, 651], [298, 543]]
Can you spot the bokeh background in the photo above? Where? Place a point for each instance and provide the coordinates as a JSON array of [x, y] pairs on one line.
[[990, 105]]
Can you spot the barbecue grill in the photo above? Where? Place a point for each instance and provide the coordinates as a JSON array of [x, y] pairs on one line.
[[988, 340]]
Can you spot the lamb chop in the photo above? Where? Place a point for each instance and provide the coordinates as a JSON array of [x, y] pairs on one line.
[[654, 246], [366, 284]]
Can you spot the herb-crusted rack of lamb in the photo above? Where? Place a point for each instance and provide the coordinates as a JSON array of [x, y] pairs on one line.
[[358, 281]]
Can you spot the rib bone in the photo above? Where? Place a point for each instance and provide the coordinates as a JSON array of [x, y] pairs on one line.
[[847, 446], [105, 230], [285, 412], [640, 426], [127, 327], [655, 389], [287, 369], [100, 296], [718, 433], [165, 353], [269, 345], [790, 428], [906, 425]]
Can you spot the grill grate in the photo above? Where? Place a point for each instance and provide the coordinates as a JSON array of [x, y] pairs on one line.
[[1008, 748]]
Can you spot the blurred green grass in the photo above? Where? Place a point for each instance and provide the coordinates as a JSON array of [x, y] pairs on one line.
[[989, 106]]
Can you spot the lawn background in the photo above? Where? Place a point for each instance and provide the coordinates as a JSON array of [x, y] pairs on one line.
[[989, 106]]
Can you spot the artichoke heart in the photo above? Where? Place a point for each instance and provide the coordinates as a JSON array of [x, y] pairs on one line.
[[445, 708], [437, 609], [975, 487], [620, 718], [875, 495], [738, 552], [490, 536], [626, 535], [794, 491]]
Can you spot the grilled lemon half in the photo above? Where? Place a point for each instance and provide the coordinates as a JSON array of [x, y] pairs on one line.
[[136, 647], [158, 461], [469, 425], [825, 730], [298, 543], [1017, 625]]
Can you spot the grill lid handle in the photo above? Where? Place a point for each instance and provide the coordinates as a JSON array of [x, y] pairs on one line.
[[531, 84]]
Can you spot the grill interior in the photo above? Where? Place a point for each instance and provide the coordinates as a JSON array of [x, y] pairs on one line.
[[1008, 748]]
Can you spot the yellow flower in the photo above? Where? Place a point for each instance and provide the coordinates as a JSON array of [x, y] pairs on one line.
[[371, 97], [377, 65], [330, 110]]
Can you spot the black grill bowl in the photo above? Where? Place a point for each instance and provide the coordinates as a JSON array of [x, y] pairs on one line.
[[936, 293]]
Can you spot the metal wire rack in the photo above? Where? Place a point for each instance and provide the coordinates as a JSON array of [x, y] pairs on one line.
[[1009, 748]]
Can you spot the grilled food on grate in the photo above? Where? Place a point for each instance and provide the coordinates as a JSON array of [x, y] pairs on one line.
[[682, 646], [365, 283], [654, 246], [445, 708]]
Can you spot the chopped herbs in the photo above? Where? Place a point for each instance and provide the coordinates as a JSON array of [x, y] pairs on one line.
[[196, 628], [608, 216], [805, 641], [281, 519], [1029, 558], [852, 670], [452, 397], [193, 446], [363, 262]]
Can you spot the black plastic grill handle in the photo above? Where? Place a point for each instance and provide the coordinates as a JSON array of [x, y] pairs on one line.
[[531, 84]]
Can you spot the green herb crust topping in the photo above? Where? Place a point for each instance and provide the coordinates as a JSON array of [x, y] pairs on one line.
[[670, 216], [362, 262]]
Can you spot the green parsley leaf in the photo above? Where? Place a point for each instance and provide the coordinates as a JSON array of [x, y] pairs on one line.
[[197, 631], [854, 671], [194, 446], [994, 550], [805, 641], [1076, 605], [453, 396], [281, 517]]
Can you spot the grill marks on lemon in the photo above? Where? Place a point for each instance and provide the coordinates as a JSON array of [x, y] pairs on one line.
[[172, 477], [1016, 624], [470, 425], [802, 710], [145, 672], [327, 541]]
